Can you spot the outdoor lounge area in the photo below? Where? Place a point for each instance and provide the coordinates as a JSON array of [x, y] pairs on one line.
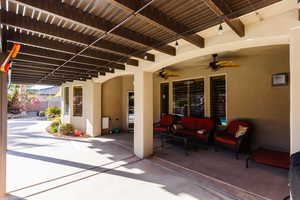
[[261, 181], [207, 89]]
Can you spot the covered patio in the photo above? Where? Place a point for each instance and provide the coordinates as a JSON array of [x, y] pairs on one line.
[[106, 53]]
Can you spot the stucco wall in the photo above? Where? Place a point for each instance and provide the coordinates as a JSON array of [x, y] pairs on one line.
[[250, 94], [78, 122], [114, 100]]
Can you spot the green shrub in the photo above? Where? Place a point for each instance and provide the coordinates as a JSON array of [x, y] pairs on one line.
[[66, 129], [53, 128], [53, 112]]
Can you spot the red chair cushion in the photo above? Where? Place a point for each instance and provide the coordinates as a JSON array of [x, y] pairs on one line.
[[234, 125], [274, 158], [227, 139], [166, 120]]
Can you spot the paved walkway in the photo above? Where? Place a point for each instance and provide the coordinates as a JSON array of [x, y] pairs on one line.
[[43, 167]]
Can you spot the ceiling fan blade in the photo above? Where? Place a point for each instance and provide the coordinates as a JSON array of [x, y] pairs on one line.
[[229, 66], [173, 75], [225, 62]]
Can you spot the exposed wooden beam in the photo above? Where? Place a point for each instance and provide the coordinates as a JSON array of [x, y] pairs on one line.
[[36, 64], [51, 68], [39, 76], [67, 48], [235, 24], [44, 71], [33, 51], [27, 23], [24, 81], [75, 15], [154, 16], [47, 61]]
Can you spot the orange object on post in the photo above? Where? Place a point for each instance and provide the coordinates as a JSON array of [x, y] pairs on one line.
[[12, 54]]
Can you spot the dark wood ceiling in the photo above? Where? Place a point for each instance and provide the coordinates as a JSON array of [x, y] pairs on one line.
[[66, 40]]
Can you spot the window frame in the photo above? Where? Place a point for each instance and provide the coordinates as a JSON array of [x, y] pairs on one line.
[[188, 96], [226, 95], [73, 102], [64, 96]]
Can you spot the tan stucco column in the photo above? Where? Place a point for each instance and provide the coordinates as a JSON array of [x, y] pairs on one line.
[[295, 89], [143, 128], [93, 120], [3, 132]]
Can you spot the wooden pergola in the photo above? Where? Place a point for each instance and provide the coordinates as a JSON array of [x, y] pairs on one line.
[[66, 40]]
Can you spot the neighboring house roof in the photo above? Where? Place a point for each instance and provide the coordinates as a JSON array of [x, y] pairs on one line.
[[45, 91]]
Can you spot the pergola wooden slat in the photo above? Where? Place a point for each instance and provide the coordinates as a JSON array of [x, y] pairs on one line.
[[41, 60], [161, 20], [63, 38], [27, 23], [67, 69], [75, 15], [236, 24], [33, 51], [68, 48], [50, 69]]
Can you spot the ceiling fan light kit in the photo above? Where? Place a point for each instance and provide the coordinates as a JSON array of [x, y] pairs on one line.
[[220, 30]]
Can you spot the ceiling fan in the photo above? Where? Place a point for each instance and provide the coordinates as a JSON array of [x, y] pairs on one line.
[[167, 74], [216, 65]]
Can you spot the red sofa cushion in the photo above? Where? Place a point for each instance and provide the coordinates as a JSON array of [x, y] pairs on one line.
[[161, 129], [227, 139], [166, 120], [274, 158], [234, 125], [203, 124], [186, 132], [188, 123], [192, 133]]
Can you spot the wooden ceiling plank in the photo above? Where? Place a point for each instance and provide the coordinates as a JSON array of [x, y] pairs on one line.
[[41, 74], [29, 50], [154, 16], [76, 15], [236, 24], [25, 22], [52, 45], [47, 70], [41, 60], [51, 68], [36, 76]]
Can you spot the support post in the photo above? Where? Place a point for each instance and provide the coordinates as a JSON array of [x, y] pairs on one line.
[[143, 127], [93, 123], [295, 90], [3, 132]]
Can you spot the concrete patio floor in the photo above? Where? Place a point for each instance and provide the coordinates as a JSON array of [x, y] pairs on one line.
[[220, 170], [43, 167]]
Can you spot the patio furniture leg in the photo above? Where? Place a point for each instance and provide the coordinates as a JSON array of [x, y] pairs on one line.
[[162, 140], [247, 162], [237, 155], [215, 148], [186, 146]]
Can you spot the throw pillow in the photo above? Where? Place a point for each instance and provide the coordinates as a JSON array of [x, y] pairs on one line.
[[202, 131], [177, 126], [241, 131]]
